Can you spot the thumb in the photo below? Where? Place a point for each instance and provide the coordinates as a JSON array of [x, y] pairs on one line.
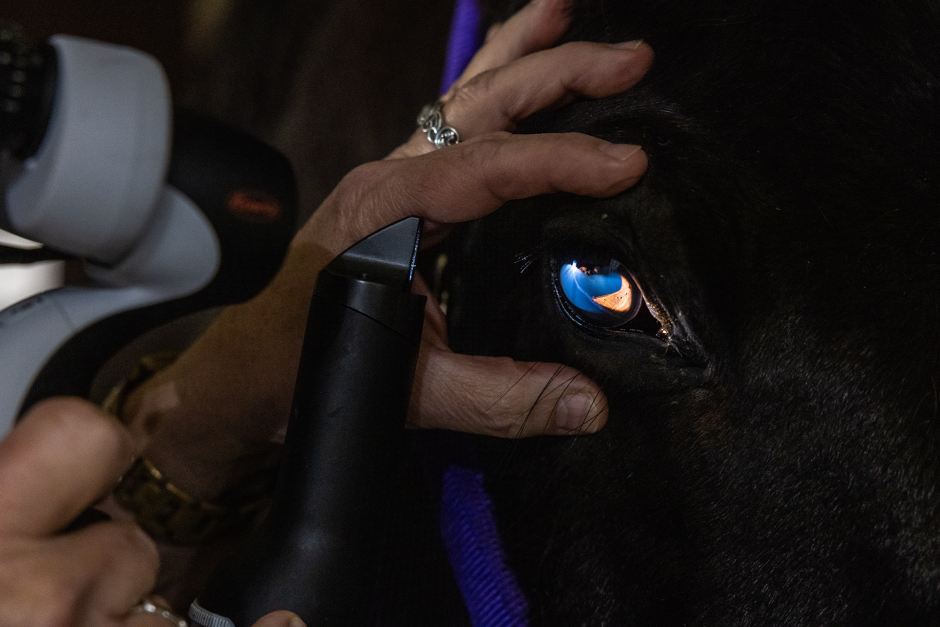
[[281, 618], [501, 397]]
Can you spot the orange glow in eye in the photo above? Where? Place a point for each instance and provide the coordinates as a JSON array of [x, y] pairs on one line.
[[621, 300]]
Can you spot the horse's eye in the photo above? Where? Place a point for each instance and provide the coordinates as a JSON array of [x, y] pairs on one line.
[[606, 296]]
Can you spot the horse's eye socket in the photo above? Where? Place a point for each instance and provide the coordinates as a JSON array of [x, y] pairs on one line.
[[606, 296]]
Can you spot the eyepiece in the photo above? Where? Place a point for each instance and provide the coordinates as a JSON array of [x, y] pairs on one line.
[[27, 91]]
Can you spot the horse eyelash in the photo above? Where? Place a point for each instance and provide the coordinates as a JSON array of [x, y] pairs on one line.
[[526, 258]]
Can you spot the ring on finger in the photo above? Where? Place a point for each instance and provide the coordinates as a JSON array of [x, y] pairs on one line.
[[147, 606], [431, 121]]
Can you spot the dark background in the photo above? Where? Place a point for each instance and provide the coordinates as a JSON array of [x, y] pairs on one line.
[[331, 83], [156, 26]]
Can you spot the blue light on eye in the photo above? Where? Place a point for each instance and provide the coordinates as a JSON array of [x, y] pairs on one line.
[[605, 295]]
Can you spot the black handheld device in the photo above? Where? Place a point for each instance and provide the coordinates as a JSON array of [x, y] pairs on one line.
[[318, 552]]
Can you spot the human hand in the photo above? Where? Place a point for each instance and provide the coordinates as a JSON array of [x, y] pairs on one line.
[[211, 421], [515, 74], [60, 459], [233, 387]]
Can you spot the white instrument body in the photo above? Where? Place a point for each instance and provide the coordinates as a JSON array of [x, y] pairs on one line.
[[96, 189]]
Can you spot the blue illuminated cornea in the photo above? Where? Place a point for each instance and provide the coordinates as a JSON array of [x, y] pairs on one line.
[[581, 288]]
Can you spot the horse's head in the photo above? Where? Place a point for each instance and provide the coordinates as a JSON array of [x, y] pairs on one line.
[[773, 449]]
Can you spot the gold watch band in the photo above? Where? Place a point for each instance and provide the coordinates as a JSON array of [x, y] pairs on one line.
[[144, 369], [166, 512]]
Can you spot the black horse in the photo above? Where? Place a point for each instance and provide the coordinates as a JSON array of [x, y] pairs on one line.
[[773, 450], [772, 455]]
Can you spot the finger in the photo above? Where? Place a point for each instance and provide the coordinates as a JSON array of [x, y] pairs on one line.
[[496, 100], [148, 619], [435, 322], [55, 581], [154, 611], [501, 397], [126, 560], [536, 26], [159, 601], [62, 457], [468, 181], [281, 618]]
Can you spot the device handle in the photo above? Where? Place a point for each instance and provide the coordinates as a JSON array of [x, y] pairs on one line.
[[318, 553]]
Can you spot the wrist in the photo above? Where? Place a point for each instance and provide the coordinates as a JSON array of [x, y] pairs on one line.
[[188, 487], [200, 449]]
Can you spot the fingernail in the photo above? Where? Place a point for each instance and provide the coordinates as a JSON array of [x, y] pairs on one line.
[[619, 151], [576, 414], [296, 622], [628, 45]]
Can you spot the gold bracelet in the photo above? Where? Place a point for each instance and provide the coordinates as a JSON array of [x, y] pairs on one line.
[[166, 512]]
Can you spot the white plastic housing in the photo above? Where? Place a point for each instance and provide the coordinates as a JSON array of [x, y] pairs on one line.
[[178, 255], [91, 188]]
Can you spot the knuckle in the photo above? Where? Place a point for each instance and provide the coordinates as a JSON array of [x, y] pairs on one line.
[[78, 418], [361, 179], [128, 540], [492, 31], [132, 557], [473, 91], [78, 422], [482, 149], [485, 99], [505, 411], [359, 195], [126, 549], [498, 425]]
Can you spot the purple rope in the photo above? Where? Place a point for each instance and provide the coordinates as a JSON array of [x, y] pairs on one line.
[[463, 42], [487, 584]]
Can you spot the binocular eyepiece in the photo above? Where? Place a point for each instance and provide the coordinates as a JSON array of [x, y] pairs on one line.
[[27, 90]]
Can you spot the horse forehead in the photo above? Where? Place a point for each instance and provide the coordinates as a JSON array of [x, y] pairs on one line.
[[793, 182], [830, 101], [792, 204]]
